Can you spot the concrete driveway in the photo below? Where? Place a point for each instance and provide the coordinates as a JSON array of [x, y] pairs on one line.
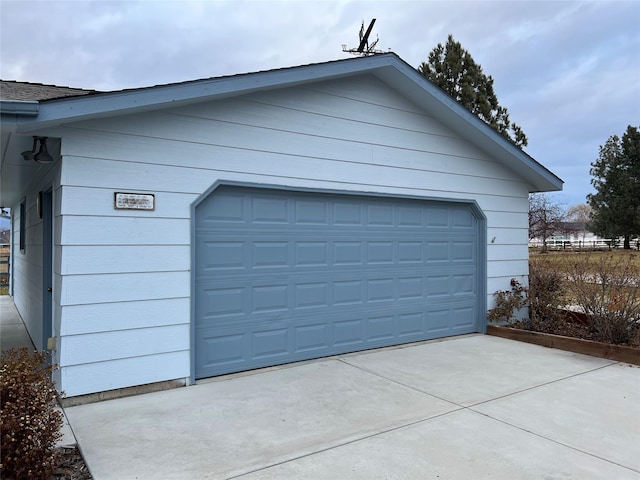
[[463, 408]]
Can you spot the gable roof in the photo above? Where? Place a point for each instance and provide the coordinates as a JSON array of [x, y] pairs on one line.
[[388, 67]]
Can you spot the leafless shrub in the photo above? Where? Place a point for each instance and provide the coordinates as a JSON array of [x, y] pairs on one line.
[[608, 291], [545, 299]]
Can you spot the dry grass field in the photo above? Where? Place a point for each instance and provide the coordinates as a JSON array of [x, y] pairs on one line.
[[562, 261]]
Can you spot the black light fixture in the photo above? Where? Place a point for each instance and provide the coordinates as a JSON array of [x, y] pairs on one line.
[[42, 156]]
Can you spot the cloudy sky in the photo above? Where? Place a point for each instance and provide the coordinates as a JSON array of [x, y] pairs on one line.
[[568, 72]]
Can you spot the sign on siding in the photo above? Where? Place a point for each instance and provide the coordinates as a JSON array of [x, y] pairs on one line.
[[134, 201]]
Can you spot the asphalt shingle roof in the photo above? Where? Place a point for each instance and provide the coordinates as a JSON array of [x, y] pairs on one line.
[[12, 90]]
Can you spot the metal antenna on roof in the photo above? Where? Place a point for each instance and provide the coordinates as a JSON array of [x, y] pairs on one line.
[[364, 47]]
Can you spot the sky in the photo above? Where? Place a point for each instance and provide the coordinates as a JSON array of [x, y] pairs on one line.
[[568, 72]]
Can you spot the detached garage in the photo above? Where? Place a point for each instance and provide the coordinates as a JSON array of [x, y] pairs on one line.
[[183, 231]]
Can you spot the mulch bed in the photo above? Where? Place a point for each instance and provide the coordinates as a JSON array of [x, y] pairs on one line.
[[566, 329], [71, 466], [572, 324]]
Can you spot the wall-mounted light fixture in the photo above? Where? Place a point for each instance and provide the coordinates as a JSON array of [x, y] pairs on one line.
[[42, 156]]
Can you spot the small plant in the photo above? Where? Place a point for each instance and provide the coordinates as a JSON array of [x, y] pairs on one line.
[[29, 421], [508, 303]]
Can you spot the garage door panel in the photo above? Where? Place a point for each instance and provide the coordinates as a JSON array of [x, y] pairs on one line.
[[437, 251], [270, 343], [311, 254], [221, 302], [222, 255], [463, 251], [348, 332], [464, 284], [250, 206], [462, 218], [253, 346], [410, 216], [284, 276], [312, 338], [310, 212], [381, 328], [278, 256], [269, 209], [411, 324], [237, 296], [227, 208], [347, 253], [221, 352], [311, 295], [438, 216], [463, 317]]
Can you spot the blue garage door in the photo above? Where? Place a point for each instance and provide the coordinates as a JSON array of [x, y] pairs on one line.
[[282, 276]]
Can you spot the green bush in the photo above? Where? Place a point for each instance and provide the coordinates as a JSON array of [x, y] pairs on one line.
[[29, 421]]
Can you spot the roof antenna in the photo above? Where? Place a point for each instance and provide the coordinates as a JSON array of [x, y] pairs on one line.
[[364, 47]]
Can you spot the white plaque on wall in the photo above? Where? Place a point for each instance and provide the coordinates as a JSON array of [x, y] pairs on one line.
[[134, 201]]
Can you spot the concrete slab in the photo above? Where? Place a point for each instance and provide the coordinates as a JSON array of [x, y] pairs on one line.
[[13, 333], [226, 428], [597, 412], [377, 415], [8, 312], [67, 439], [460, 445], [475, 369], [14, 336]]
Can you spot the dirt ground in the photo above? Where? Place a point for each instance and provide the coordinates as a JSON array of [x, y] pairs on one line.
[[71, 466]]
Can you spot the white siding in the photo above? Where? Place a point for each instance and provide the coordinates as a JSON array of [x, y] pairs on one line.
[[111, 374], [27, 277], [124, 276]]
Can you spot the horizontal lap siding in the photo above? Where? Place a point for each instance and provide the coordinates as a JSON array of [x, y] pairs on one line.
[[271, 152], [106, 317], [81, 349], [78, 260], [123, 287], [346, 136], [122, 372]]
